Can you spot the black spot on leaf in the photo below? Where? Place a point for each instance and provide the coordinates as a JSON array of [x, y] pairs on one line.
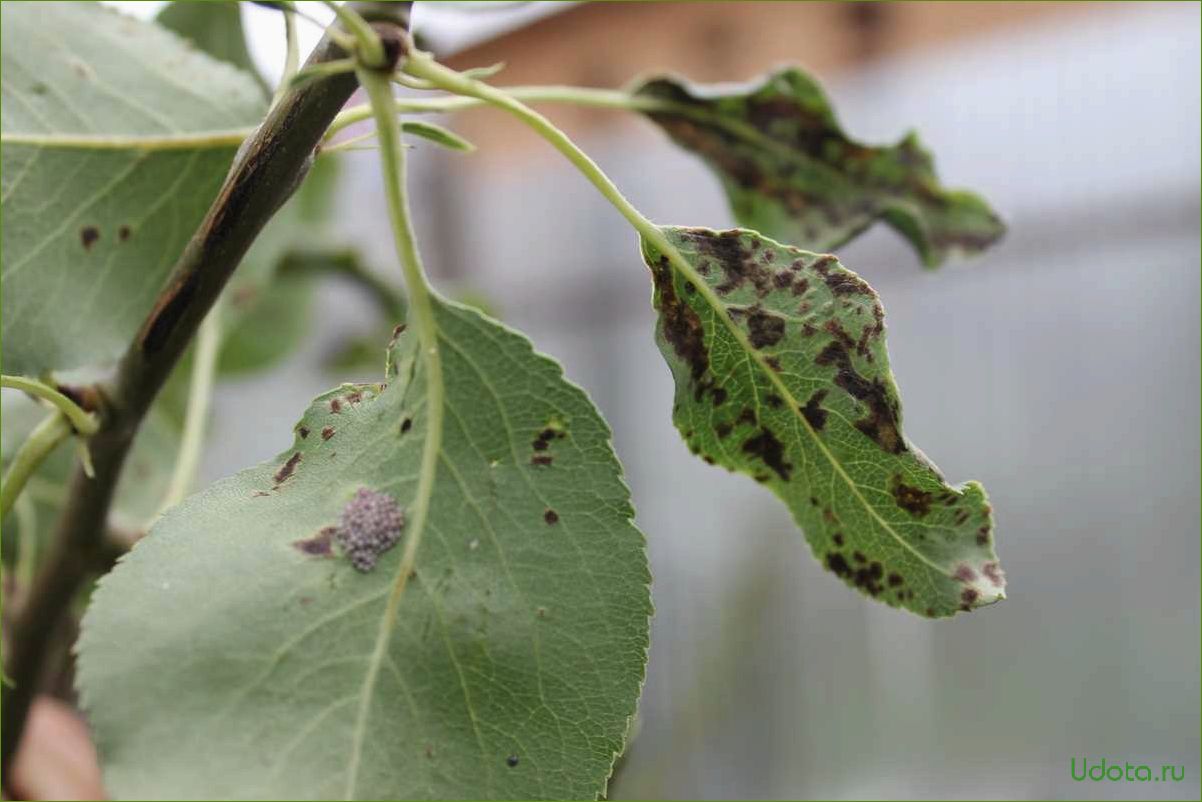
[[680, 324], [551, 517], [881, 423], [768, 448], [88, 236], [913, 500], [765, 328], [813, 412]]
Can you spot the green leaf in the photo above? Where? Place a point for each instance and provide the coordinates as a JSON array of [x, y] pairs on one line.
[[516, 656], [782, 373], [438, 135], [791, 172], [116, 136], [216, 28]]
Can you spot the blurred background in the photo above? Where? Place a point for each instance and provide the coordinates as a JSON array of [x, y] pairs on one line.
[[1061, 370]]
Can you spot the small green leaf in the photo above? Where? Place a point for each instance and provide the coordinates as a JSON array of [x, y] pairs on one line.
[[438, 135], [216, 28], [791, 172], [516, 656], [116, 136], [782, 373]]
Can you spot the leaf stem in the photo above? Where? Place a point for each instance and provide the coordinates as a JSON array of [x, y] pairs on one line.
[[582, 96], [84, 422], [421, 65], [369, 49], [292, 51], [392, 158], [200, 395], [45, 437]]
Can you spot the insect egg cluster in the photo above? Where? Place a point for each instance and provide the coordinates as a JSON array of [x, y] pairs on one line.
[[371, 525]]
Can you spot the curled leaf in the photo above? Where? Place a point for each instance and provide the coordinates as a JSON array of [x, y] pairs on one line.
[[791, 172], [782, 373]]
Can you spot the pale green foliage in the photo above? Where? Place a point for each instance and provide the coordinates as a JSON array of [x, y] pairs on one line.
[[781, 373], [522, 634], [115, 139]]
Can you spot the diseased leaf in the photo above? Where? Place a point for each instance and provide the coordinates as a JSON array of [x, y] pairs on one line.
[[216, 28], [519, 644], [791, 172], [782, 373], [116, 135]]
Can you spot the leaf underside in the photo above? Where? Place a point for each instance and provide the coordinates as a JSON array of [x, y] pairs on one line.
[[238, 631], [785, 377], [108, 167], [790, 171]]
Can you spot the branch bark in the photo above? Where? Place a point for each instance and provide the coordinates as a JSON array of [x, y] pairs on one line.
[[267, 169]]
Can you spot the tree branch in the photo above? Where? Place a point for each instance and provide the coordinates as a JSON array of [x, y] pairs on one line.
[[267, 169]]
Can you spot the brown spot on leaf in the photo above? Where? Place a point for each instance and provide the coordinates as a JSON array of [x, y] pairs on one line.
[[680, 324], [303, 431], [768, 448], [994, 574], [335, 406], [287, 469], [838, 538], [542, 460], [406, 425], [983, 536], [551, 517], [123, 233], [842, 282], [964, 573], [723, 429], [880, 425], [911, 499], [320, 545], [765, 328], [895, 580], [836, 563], [813, 412], [327, 432], [718, 396], [969, 596], [88, 236]]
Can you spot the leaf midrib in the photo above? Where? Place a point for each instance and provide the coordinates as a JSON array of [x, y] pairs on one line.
[[223, 138]]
